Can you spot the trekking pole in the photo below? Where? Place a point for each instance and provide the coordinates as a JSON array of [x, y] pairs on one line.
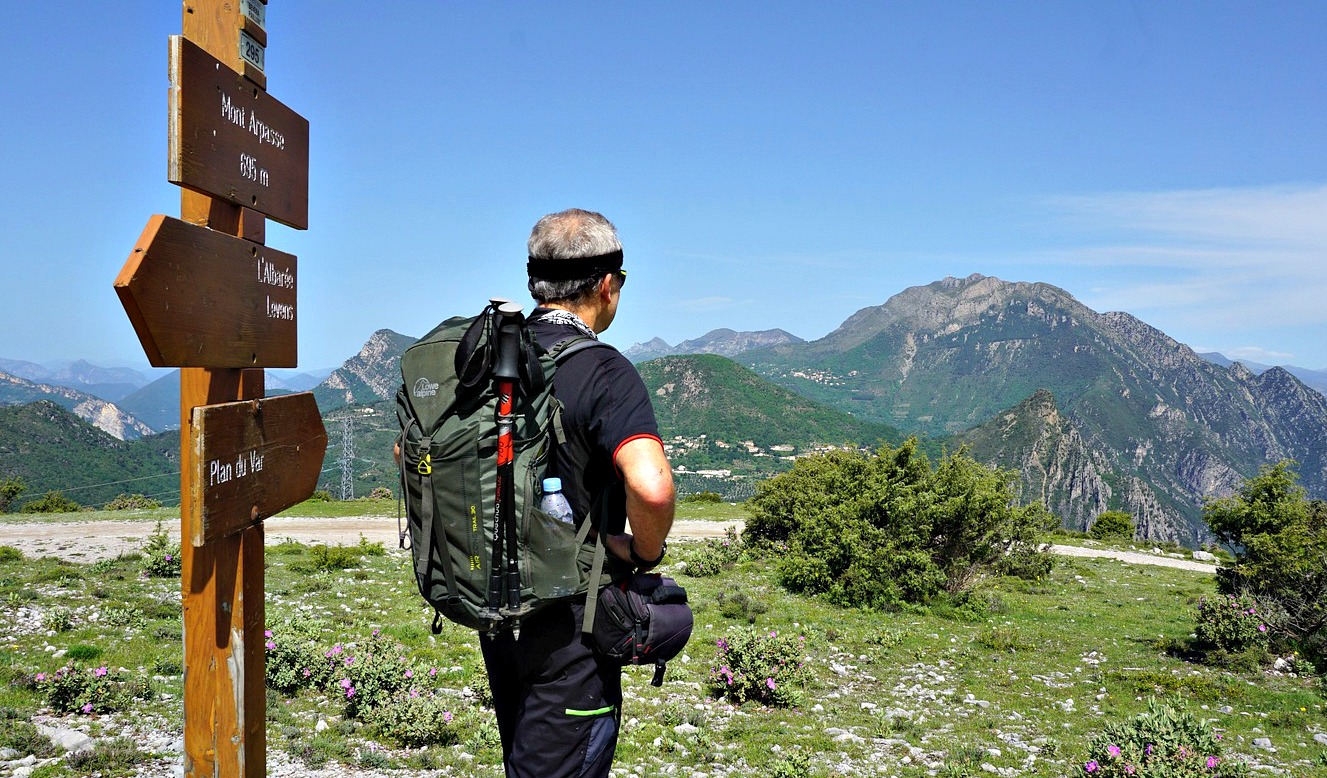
[[506, 372]]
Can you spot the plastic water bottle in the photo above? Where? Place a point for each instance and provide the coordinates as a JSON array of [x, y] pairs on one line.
[[555, 502]]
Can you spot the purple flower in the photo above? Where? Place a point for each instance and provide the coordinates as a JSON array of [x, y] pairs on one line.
[[409, 673], [270, 645], [433, 671], [1113, 750], [346, 683], [1091, 766], [100, 672], [41, 677], [1211, 762], [1262, 627], [1148, 750], [267, 633], [307, 672], [350, 692], [770, 683], [87, 708], [170, 558], [447, 716]]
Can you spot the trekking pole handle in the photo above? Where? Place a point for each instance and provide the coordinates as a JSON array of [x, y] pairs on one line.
[[509, 341]]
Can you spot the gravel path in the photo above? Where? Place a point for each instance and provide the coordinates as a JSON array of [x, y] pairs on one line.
[[90, 541]]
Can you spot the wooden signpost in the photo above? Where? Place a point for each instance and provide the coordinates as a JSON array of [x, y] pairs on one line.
[[204, 294]]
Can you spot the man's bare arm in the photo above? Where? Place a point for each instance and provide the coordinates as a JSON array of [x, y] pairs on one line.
[[651, 498]]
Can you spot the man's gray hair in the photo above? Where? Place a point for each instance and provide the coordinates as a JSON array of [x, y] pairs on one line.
[[570, 234]]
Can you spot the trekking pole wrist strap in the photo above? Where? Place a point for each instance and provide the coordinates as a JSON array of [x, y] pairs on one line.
[[642, 563]]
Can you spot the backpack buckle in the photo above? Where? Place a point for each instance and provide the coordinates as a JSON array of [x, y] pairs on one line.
[[425, 465]]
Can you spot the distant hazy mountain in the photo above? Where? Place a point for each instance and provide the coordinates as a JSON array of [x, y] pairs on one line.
[[52, 449], [1317, 379], [106, 416], [723, 342], [371, 375], [1164, 427], [29, 370]]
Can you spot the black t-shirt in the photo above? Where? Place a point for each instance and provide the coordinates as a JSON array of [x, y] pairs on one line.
[[605, 405]]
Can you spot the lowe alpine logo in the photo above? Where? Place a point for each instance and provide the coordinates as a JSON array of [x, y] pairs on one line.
[[423, 388]]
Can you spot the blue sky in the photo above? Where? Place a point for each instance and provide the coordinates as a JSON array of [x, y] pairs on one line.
[[767, 164]]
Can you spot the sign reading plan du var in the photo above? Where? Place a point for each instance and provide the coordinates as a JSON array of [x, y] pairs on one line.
[[230, 139]]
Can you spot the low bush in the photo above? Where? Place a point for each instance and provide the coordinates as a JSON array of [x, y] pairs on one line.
[[73, 689], [1165, 741], [52, 502], [1112, 525], [415, 720], [760, 666], [129, 502], [713, 555], [1231, 624], [161, 557]]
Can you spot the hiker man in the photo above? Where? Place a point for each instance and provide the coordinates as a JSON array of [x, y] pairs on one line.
[[558, 702]]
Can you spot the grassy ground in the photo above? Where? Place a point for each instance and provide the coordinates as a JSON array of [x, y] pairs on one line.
[[1019, 679]]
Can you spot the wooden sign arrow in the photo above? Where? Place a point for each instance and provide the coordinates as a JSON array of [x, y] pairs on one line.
[[252, 459], [232, 140], [202, 298]]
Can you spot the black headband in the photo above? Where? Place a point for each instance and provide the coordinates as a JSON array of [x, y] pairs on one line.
[[574, 269]]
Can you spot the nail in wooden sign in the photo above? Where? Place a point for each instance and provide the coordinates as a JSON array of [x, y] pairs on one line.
[[202, 298], [230, 139], [252, 459]]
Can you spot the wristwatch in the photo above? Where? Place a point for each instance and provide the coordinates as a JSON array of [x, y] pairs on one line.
[[645, 564]]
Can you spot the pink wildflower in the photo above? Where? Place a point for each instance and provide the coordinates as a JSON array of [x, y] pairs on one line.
[[433, 671], [447, 716], [100, 672], [1113, 750], [770, 683], [87, 708], [270, 645], [1262, 627], [41, 677], [409, 673], [1090, 767], [1211, 762], [267, 633]]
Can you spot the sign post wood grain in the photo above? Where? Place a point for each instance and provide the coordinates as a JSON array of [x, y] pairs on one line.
[[198, 297], [205, 294], [236, 446]]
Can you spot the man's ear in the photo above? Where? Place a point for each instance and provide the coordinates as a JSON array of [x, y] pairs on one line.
[[605, 288]]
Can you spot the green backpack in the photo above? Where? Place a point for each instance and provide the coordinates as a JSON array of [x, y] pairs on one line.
[[478, 565]]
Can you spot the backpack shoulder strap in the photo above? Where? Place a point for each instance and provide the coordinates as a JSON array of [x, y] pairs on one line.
[[563, 349]]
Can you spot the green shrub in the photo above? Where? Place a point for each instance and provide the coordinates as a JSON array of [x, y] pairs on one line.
[[1165, 741], [72, 689], [1231, 623], [1276, 536], [323, 558], [128, 502], [294, 661], [161, 557], [760, 666], [58, 619], [415, 720], [1112, 525], [737, 604], [713, 555], [381, 493], [10, 554], [876, 531], [703, 497], [320, 495], [52, 502], [371, 675], [10, 489], [107, 757]]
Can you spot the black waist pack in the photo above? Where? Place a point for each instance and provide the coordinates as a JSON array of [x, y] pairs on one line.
[[643, 619]]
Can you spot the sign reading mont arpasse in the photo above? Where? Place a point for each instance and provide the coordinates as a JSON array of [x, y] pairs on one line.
[[231, 140]]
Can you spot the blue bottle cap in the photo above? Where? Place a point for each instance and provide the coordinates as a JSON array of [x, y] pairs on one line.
[[552, 485]]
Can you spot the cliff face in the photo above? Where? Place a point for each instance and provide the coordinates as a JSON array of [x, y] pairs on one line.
[[371, 375], [1133, 420], [103, 415]]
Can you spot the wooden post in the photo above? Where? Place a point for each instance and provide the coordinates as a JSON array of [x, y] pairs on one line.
[[206, 295], [225, 727]]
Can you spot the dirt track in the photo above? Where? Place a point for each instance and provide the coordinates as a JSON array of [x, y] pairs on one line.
[[89, 541]]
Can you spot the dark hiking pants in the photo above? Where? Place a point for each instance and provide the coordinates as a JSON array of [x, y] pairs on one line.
[[558, 705]]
